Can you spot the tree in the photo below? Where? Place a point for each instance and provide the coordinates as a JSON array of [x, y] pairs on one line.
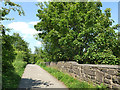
[[8, 53], [21, 46], [77, 31], [40, 55]]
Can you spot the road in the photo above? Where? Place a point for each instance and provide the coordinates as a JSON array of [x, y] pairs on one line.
[[36, 77]]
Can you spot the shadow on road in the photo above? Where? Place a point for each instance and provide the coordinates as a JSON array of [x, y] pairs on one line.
[[30, 83]]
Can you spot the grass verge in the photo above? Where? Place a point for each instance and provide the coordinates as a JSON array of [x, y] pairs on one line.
[[68, 80]]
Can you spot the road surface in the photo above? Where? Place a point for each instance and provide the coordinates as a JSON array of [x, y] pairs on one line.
[[36, 77]]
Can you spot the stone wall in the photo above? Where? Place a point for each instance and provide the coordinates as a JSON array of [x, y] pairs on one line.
[[107, 74]]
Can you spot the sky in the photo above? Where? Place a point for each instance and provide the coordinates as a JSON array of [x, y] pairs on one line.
[[24, 25]]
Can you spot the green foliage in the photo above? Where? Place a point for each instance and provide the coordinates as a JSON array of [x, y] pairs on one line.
[[19, 66], [21, 47], [12, 77], [8, 54], [77, 31], [40, 55], [102, 86], [20, 55], [32, 58], [8, 6], [116, 50], [39, 61], [12, 57]]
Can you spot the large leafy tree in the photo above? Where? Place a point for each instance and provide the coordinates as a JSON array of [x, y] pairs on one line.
[[8, 53], [21, 46], [77, 31]]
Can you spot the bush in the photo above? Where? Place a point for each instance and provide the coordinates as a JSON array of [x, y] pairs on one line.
[[39, 61], [19, 66], [12, 76]]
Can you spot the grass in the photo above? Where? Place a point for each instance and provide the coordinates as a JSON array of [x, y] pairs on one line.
[[68, 80], [12, 77]]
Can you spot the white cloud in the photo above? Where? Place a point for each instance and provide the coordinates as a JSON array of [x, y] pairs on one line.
[[25, 36], [39, 43], [27, 31], [23, 28], [33, 23]]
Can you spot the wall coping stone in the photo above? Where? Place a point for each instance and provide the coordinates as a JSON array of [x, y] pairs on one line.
[[92, 65], [101, 66], [96, 65]]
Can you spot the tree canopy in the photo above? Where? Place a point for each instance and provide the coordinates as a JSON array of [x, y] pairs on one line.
[[77, 31]]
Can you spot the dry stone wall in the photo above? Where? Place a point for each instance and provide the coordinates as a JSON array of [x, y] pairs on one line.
[[107, 74]]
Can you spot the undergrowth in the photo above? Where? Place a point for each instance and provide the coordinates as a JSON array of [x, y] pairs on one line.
[[12, 77]]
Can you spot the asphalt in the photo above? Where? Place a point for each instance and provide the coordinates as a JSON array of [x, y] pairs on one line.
[[36, 77]]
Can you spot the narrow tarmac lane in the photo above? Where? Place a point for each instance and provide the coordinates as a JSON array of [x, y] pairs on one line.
[[36, 77]]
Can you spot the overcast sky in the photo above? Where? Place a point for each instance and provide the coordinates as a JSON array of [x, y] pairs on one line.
[[25, 24]]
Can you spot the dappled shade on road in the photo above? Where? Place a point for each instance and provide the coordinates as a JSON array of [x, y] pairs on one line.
[[36, 77]]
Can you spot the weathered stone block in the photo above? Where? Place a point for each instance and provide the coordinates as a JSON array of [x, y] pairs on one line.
[[119, 70], [86, 79], [82, 71], [97, 82], [70, 71], [111, 71], [108, 86], [76, 71], [116, 80], [70, 67], [87, 76], [99, 76], [82, 67], [83, 75], [108, 76], [79, 66], [95, 68], [116, 87], [74, 67], [107, 81], [93, 77], [86, 68], [91, 72], [103, 70], [88, 71]]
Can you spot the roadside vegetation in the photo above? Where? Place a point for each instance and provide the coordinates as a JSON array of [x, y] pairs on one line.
[[68, 80], [70, 31], [15, 51], [12, 77]]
